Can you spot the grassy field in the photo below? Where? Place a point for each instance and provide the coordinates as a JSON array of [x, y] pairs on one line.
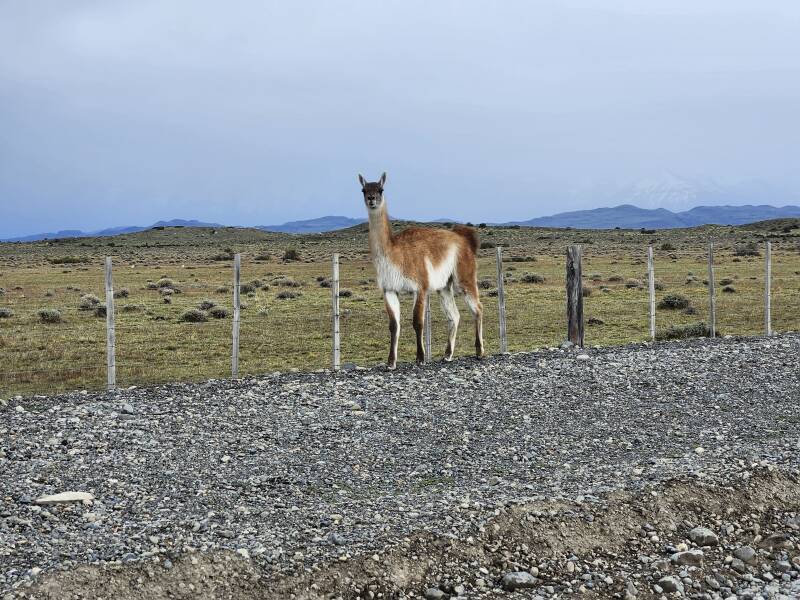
[[281, 333]]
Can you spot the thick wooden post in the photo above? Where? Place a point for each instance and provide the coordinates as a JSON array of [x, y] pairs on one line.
[[336, 360], [111, 336], [428, 328], [768, 290], [651, 284], [237, 267], [501, 301], [575, 331], [712, 292]]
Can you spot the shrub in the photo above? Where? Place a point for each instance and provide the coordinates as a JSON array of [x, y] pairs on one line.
[[492, 293], [729, 289], [88, 302], [287, 295], [291, 254], [166, 291], [165, 282], [324, 283], [586, 291], [532, 278], [682, 332], [257, 283], [486, 284], [49, 315], [194, 315], [596, 277], [218, 312], [345, 293], [100, 310], [725, 281], [690, 310], [6, 313], [67, 260], [2, 291], [263, 312], [49, 294], [667, 247], [748, 249], [129, 308], [206, 304], [122, 293], [167, 299], [488, 245], [633, 283], [673, 302], [595, 321], [223, 289], [262, 257], [287, 282], [246, 288], [226, 254], [658, 285], [615, 279]]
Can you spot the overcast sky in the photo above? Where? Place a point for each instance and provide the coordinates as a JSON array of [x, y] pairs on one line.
[[119, 113]]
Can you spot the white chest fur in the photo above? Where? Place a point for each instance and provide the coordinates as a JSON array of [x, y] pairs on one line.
[[390, 277]]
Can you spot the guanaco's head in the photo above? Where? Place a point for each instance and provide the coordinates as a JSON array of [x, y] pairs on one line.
[[373, 192]]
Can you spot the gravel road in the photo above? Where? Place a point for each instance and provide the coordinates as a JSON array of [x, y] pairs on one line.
[[539, 474]]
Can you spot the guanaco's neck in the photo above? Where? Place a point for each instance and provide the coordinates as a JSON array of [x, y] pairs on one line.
[[380, 232]]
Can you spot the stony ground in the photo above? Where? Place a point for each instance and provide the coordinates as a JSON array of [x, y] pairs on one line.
[[643, 471]]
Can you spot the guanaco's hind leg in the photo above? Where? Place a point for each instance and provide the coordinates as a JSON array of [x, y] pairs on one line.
[[392, 303], [450, 309], [419, 322], [475, 307]]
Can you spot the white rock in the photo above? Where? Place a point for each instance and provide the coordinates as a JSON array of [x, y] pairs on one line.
[[65, 497]]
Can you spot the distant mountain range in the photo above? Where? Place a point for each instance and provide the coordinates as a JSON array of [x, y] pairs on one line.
[[625, 216]]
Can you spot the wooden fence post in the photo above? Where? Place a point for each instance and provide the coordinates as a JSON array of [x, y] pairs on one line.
[[712, 292], [237, 267], [428, 328], [111, 336], [335, 305], [651, 284], [575, 332], [501, 301], [768, 291]]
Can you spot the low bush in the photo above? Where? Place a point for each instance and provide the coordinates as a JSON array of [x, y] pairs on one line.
[[532, 278], [165, 282], [729, 289], [247, 288], [673, 302], [748, 249], [633, 283], [67, 260], [682, 332], [88, 302], [194, 315], [615, 279], [725, 281], [6, 313], [666, 247], [100, 310], [586, 291], [291, 254], [595, 321], [218, 312], [131, 308], [488, 245], [49, 315], [206, 304], [122, 293], [345, 293], [287, 295]]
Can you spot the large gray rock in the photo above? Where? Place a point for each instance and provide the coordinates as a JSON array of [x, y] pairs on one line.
[[703, 536], [517, 580], [670, 584], [745, 554], [692, 558]]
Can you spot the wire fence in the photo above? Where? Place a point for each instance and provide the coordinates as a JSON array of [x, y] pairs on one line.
[[174, 323]]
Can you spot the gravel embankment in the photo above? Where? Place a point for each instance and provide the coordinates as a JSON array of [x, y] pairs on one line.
[[438, 480]]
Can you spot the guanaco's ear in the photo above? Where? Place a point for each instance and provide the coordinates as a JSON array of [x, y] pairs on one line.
[[361, 180], [383, 179]]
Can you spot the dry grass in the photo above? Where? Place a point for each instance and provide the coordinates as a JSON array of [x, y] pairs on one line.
[[154, 344]]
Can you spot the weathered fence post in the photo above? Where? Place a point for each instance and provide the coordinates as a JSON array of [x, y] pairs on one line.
[[768, 291], [335, 314], [651, 284], [501, 301], [575, 331], [111, 336], [712, 292], [428, 328], [237, 268]]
